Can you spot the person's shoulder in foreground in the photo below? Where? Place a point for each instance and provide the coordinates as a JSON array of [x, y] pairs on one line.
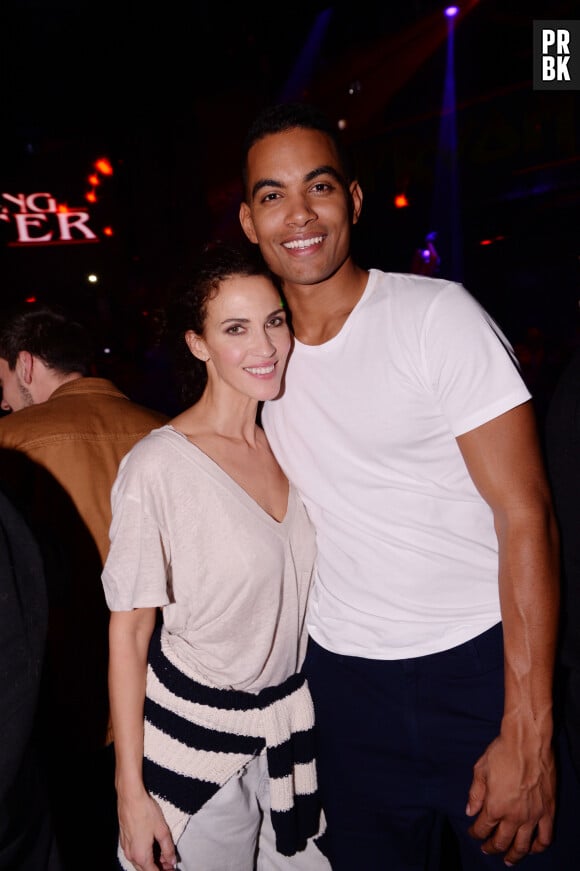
[[26, 836], [562, 431]]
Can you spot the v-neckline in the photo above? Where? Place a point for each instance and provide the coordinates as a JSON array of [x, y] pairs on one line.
[[215, 467]]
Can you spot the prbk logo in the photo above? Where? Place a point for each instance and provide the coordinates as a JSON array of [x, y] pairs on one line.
[[557, 55]]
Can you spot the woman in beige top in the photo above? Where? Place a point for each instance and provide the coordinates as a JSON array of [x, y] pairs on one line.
[[207, 578]]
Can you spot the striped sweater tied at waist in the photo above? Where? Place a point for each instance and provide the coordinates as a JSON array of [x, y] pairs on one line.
[[197, 737]]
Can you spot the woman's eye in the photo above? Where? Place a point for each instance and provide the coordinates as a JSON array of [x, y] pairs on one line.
[[234, 329], [276, 322]]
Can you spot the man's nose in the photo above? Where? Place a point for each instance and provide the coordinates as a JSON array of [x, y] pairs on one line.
[[300, 211]]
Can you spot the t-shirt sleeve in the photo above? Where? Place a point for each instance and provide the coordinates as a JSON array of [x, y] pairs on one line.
[[471, 364], [136, 572]]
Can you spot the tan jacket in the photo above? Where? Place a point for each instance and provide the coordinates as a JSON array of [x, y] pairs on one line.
[[80, 436], [58, 461]]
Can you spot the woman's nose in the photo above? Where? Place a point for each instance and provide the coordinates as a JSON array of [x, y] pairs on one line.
[[265, 346]]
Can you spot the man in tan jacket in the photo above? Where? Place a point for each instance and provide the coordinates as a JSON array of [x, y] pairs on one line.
[[60, 449]]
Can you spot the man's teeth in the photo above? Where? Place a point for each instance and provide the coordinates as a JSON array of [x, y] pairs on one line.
[[304, 243], [259, 370]]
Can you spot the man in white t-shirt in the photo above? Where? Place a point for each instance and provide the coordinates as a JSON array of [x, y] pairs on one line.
[[407, 428]]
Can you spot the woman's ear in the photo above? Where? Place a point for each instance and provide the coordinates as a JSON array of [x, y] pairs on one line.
[[196, 345]]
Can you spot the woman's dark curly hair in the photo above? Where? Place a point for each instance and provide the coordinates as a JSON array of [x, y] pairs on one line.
[[186, 308]]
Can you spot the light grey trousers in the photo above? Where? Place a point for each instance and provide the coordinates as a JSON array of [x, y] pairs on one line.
[[233, 832]]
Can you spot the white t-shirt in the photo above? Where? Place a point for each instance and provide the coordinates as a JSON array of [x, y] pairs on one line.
[[232, 582], [365, 429]]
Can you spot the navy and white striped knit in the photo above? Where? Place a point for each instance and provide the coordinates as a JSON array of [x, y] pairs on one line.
[[197, 737]]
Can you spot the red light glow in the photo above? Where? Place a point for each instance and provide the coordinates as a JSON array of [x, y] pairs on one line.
[[94, 180], [91, 197], [107, 231], [401, 201], [103, 166], [491, 241]]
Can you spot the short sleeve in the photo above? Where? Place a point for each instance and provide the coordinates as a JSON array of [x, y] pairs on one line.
[[136, 571], [471, 364]]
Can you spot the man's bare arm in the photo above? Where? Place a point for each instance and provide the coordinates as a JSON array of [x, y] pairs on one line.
[[512, 793]]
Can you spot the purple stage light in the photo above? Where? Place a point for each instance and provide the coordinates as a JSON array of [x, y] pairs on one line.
[[451, 11]]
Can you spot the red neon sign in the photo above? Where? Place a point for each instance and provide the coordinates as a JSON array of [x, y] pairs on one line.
[[39, 220]]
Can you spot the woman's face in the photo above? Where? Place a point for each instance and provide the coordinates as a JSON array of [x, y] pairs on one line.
[[246, 339]]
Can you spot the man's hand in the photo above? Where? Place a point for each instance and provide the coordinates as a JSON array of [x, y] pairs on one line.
[[513, 796], [513, 789]]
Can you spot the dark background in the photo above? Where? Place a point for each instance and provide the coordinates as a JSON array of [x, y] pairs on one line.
[[165, 91]]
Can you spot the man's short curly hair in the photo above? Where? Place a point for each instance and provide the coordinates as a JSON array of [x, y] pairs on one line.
[[48, 332]]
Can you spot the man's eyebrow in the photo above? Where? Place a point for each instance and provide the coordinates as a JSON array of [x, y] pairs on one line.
[[325, 170], [265, 183]]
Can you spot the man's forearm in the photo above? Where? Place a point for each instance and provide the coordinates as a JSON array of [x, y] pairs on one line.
[[529, 597]]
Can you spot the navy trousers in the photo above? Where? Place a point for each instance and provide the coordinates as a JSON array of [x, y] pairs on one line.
[[397, 741]]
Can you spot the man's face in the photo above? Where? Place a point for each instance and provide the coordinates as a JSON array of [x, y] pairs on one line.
[[297, 209], [15, 394]]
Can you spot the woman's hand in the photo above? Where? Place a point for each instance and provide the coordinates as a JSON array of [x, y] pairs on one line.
[[141, 824]]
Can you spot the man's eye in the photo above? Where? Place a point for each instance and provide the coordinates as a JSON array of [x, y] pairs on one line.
[[270, 196]]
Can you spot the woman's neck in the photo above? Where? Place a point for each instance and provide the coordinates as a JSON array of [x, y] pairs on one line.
[[231, 418]]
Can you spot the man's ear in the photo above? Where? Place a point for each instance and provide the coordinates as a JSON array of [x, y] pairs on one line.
[[196, 345], [24, 366], [356, 198], [247, 223]]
